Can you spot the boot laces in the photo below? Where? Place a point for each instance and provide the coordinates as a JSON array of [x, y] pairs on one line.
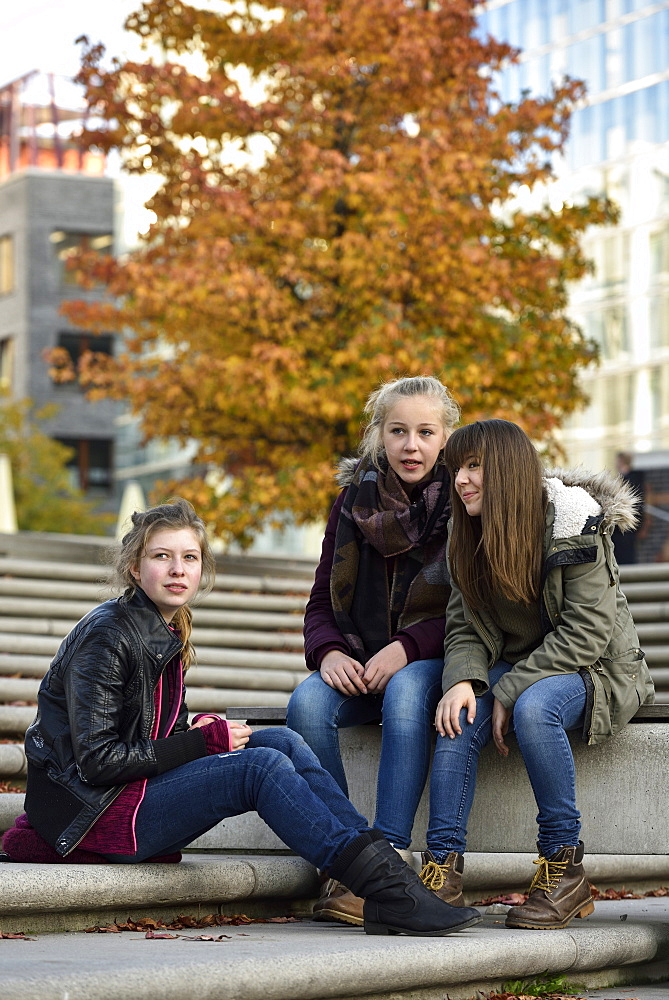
[[548, 875], [433, 876]]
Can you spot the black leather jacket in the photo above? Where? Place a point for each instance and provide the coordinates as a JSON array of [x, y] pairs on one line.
[[95, 713]]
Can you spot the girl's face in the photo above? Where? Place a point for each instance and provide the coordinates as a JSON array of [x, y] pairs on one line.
[[170, 568], [469, 485], [413, 436]]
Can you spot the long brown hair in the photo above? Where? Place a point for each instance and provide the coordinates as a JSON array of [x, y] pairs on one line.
[[500, 552], [174, 514]]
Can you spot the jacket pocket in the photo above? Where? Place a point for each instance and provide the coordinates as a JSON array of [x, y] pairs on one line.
[[625, 680]]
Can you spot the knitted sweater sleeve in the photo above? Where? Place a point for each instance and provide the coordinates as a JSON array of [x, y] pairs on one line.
[[320, 628]]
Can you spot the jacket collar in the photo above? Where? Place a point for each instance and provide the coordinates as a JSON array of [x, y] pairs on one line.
[[160, 641]]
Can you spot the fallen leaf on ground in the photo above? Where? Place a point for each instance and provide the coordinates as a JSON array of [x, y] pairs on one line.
[[6, 786], [508, 899], [185, 922], [16, 937], [208, 937]]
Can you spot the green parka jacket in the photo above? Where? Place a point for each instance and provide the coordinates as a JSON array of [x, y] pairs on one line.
[[586, 620]]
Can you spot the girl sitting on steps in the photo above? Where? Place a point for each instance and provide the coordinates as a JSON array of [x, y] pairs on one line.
[[539, 641], [116, 774]]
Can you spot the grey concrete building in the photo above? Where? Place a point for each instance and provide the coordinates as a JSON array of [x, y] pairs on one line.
[[54, 198], [44, 216]]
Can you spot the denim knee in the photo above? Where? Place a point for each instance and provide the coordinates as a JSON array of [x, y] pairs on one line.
[[266, 758], [531, 711], [312, 702], [278, 738], [417, 687]]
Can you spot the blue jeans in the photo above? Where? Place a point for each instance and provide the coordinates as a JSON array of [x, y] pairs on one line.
[[276, 774], [406, 708], [541, 717]]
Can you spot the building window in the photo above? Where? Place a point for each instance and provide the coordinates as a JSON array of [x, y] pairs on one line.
[[91, 464], [66, 245], [6, 265], [77, 344], [6, 363]]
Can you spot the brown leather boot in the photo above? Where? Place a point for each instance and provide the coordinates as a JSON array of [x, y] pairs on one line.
[[337, 903], [444, 879], [558, 893]]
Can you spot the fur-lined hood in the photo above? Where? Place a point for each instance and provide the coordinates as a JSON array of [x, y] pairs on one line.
[[578, 495], [345, 469]]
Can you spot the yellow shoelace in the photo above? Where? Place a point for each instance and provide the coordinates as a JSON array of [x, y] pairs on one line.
[[548, 875], [433, 875]]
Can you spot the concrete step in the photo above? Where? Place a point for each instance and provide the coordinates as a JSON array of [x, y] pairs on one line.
[[80, 572], [25, 666], [644, 571], [305, 960], [67, 897], [15, 719], [12, 762], [37, 666], [17, 608], [650, 611], [622, 943], [36, 643], [37, 589], [646, 590], [653, 632], [202, 683]]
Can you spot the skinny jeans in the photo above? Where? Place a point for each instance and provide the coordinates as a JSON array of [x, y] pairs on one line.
[[276, 774], [542, 716], [406, 709]]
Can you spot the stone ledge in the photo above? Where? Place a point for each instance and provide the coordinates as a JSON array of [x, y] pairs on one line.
[[40, 897], [622, 790]]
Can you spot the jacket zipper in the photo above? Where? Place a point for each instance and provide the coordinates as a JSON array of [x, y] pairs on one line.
[[485, 635], [111, 803]]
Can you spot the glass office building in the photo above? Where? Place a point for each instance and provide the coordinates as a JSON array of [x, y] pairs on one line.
[[619, 143]]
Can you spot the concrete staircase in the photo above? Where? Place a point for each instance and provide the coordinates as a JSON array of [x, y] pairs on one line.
[[248, 637], [646, 587]]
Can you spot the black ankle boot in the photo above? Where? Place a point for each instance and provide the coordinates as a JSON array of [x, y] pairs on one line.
[[396, 901]]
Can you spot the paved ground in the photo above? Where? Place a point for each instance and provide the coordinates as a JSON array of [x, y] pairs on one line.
[[658, 992], [309, 961]]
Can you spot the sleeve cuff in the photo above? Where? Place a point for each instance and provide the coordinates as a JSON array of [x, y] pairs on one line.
[[180, 748]]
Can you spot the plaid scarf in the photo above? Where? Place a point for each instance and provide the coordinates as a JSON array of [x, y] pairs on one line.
[[378, 522]]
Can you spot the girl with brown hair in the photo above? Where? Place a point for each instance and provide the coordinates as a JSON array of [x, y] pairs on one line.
[[539, 641], [118, 774]]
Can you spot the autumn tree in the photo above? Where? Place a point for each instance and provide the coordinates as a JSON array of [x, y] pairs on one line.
[[45, 498], [378, 233]]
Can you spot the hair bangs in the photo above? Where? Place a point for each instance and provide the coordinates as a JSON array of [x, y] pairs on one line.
[[465, 442]]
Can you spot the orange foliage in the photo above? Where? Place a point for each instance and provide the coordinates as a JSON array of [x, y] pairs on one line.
[[377, 237]]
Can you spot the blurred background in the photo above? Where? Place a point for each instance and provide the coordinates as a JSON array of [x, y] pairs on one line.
[[56, 197]]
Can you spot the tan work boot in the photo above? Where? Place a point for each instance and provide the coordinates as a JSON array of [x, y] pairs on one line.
[[337, 903], [558, 893], [444, 879]]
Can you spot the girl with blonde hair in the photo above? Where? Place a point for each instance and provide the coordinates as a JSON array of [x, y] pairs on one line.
[[374, 624]]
